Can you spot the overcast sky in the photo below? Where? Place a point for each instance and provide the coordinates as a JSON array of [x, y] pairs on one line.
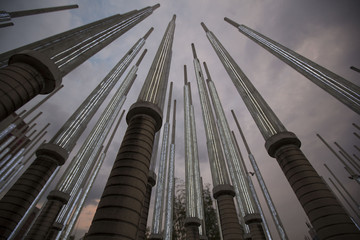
[[326, 32]]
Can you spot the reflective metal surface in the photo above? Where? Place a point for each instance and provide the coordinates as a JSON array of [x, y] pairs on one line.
[[345, 91], [264, 117]]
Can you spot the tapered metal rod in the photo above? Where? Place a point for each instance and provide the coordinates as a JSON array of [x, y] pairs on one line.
[[354, 175], [41, 102], [119, 212], [340, 88], [20, 155], [342, 195], [41, 10], [357, 148], [168, 227], [158, 214], [252, 189], [348, 157], [57, 212], [274, 214], [223, 192], [56, 152], [37, 138], [343, 187], [355, 69], [250, 211], [311, 191], [40, 67], [349, 160], [32, 206]]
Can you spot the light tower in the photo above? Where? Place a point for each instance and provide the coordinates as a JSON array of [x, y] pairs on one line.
[[223, 192], [158, 213], [321, 206], [194, 201], [55, 212], [54, 154], [7, 16], [38, 68], [340, 88], [250, 211], [274, 214], [119, 210]]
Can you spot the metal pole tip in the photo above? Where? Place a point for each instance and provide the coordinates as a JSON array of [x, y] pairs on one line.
[[231, 22], [204, 27], [193, 50]]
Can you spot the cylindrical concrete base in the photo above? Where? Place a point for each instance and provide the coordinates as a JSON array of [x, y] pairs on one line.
[[155, 237], [192, 228], [19, 83], [18, 199], [48, 215], [145, 208], [255, 226], [119, 210], [230, 226], [325, 213], [29, 73]]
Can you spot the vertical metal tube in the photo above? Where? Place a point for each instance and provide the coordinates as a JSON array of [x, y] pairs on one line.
[[279, 226], [157, 224], [168, 228], [340, 88], [353, 175], [321, 206], [119, 210]]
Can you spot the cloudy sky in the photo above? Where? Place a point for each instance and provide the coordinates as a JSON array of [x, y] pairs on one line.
[[326, 32]]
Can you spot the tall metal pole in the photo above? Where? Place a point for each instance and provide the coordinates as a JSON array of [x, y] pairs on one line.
[[251, 213], [40, 70], [321, 206], [275, 216], [343, 187], [170, 186], [119, 210], [265, 226], [355, 165], [55, 153], [158, 213], [353, 175], [223, 192], [56, 210], [192, 220], [340, 88]]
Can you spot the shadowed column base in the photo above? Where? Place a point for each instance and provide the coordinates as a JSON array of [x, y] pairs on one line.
[[324, 211], [155, 237], [256, 229], [20, 196], [29, 73], [48, 215], [145, 209], [230, 226], [119, 211], [192, 228]]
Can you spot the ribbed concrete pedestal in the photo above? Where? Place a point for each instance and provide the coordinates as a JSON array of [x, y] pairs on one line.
[[29, 73], [230, 226], [256, 229], [145, 209], [119, 210], [18, 199], [155, 237], [44, 222], [325, 213], [192, 228]]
